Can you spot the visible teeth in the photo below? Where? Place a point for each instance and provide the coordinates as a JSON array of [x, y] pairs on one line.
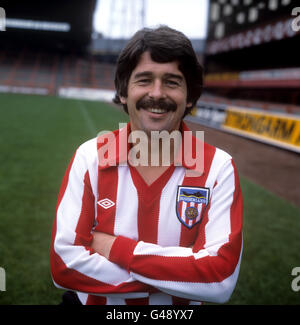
[[156, 110]]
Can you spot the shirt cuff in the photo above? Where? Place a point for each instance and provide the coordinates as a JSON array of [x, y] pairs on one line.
[[121, 251]]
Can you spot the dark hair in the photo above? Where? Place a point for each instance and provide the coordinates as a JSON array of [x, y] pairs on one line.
[[164, 45]]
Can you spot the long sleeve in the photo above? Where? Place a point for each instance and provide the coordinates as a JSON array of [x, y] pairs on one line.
[[73, 264], [209, 270]]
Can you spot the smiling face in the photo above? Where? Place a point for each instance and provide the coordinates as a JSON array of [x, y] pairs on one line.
[[156, 96]]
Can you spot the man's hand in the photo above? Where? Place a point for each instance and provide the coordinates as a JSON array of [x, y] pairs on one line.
[[102, 243]]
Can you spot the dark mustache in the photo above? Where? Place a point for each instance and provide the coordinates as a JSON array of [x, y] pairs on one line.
[[161, 103]]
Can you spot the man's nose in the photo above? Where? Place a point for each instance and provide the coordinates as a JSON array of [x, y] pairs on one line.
[[156, 90]]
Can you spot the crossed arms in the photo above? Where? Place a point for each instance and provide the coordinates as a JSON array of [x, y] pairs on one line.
[[101, 263]]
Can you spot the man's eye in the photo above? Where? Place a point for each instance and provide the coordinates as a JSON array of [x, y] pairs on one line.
[[172, 83], [143, 81]]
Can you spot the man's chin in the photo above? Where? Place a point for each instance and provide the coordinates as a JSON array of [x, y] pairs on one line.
[[157, 127]]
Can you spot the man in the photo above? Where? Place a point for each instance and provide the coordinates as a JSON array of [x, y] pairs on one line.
[[128, 233]]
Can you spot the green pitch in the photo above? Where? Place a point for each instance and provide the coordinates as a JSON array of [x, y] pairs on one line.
[[39, 135]]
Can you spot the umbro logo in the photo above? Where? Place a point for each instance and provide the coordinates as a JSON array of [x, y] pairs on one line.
[[106, 203]]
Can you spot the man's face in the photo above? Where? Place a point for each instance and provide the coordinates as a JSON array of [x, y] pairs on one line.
[[157, 96]]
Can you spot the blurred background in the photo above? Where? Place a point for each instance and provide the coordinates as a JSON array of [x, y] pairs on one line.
[[57, 63]]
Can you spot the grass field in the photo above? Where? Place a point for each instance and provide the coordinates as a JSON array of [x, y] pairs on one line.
[[39, 134]]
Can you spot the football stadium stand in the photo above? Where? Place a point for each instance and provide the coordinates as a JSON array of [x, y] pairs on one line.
[[252, 70], [251, 50]]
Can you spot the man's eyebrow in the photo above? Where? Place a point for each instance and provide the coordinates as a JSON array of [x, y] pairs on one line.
[[143, 74], [173, 76], [166, 76]]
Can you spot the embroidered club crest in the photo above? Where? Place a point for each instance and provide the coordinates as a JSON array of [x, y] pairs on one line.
[[190, 204]]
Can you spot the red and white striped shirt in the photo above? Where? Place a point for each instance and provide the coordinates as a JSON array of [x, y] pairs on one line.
[[157, 257]]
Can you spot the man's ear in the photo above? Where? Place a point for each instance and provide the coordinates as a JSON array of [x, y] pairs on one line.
[[189, 105], [123, 100]]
